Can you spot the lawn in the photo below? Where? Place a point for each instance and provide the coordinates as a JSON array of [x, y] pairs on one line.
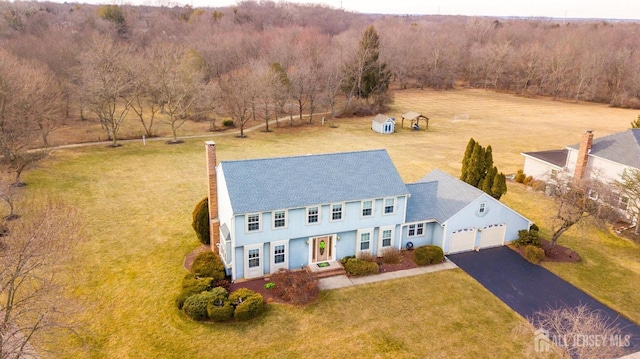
[[138, 201]]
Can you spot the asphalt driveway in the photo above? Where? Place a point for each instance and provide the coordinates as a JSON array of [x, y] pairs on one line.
[[528, 288]]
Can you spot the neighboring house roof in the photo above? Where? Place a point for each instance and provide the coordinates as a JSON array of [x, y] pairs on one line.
[[555, 157], [439, 196], [300, 181], [382, 118], [622, 147]]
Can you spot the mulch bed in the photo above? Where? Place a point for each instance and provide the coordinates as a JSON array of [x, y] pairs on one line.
[[553, 253]]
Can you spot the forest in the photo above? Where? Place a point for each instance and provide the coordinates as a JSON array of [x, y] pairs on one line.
[[264, 60]]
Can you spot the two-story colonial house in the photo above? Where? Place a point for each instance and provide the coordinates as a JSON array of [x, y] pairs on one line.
[[293, 212]]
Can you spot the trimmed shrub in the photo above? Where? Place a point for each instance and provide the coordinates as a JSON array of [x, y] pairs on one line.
[[527, 180], [220, 311], [249, 308], [520, 176], [533, 254], [428, 254], [200, 221], [528, 237], [358, 267], [219, 308], [195, 306], [193, 285], [248, 303], [208, 264], [345, 259], [392, 256], [296, 287]]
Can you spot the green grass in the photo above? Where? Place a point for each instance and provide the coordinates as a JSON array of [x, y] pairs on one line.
[[137, 201]]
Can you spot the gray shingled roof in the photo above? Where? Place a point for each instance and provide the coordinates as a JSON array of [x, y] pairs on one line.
[[554, 157], [293, 182], [439, 196], [622, 147]]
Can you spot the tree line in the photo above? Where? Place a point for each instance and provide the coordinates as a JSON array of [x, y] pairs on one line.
[[264, 60]]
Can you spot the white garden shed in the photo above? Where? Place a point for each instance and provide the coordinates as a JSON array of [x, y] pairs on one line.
[[383, 124]]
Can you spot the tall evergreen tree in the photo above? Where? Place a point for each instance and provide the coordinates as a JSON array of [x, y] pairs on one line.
[[499, 186], [636, 123], [475, 172], [366, 76], [466, 159]]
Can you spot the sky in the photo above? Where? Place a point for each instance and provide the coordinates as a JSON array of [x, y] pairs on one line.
[[599, 9]]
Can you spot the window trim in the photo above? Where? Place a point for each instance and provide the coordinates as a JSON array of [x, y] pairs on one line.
[[359, 234], [342, 207], [381, 231], [417, 227], [247, 224], [362, 208], [318, 215], [274, 219], [273, 266], [384, 206]]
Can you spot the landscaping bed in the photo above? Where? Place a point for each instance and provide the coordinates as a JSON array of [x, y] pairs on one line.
[[553, 253]]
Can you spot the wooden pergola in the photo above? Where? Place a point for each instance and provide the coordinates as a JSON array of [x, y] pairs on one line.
[[415, 118]]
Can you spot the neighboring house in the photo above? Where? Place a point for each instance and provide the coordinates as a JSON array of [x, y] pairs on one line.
[[604, 158], [294, 212], [383, 124]]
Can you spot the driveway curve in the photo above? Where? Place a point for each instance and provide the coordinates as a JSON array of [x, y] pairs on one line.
[[528, 288]]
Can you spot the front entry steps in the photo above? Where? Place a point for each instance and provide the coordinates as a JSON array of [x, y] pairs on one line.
[[326, 269]]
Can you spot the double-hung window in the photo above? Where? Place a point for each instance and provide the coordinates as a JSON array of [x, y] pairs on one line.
[[416, 229], [336, 212], [253, 222], [367, 208], [313, 215], [279, 219], [389, 205]]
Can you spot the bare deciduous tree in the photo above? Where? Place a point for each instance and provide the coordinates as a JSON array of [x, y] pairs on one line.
[[581, 332], [108, 83], [33, 254], [236, 97], [30, 104], [629, 187]]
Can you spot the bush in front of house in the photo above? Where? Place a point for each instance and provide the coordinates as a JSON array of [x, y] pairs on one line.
[[533, 254], [528, 237], [428, 254], [392, 256], [295, 287], [208, 264], [219, 308], [520, 176], [192, 285], [345, 259], [248, 304], [195, 306], [359, 267], [200, 221]]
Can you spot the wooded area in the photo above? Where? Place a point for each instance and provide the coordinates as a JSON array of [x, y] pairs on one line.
[[262, 60]]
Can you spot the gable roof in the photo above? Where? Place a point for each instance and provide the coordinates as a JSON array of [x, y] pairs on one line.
[[382, 118], [412, 115], [439, 196], [557, 158], [622, 147], [293, 182]]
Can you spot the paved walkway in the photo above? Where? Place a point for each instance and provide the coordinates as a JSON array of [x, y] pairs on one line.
[[528, 288], [342, 281]]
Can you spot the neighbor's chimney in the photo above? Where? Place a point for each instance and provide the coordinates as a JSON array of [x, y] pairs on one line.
[[214, 225], [583, 156]]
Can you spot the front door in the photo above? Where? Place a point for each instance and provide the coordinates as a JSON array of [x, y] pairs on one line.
[[322, 249]]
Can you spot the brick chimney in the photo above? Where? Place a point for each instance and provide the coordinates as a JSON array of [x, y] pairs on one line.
[[583, 156], [214, 225]]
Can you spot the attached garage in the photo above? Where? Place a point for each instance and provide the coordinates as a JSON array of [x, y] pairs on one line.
[[492, 235], [462, 240]]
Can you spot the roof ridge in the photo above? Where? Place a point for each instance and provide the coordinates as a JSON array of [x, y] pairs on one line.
[[303, 156]]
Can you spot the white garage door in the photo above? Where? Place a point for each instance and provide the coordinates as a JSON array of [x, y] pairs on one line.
[[493, 235], [462, 240]]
